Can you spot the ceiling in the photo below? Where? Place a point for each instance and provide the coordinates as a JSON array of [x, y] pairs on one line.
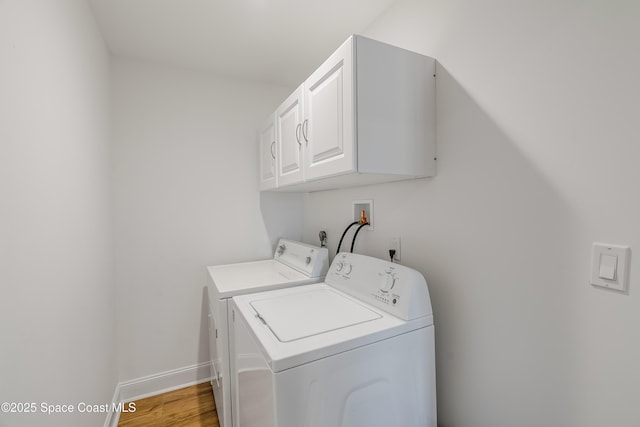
[[270, 41]]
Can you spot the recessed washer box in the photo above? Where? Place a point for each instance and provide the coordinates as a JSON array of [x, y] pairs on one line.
[[367, 207]]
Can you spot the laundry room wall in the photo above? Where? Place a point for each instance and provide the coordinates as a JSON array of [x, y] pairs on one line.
[[537, 107], [186, 196], [57, 301]]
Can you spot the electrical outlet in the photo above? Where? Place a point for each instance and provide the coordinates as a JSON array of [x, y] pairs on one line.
[[395, 244]]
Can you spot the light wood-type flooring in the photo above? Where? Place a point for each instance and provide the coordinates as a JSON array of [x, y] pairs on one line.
[[188, 407]]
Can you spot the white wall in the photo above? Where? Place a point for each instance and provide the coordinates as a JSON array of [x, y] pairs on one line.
[[537, 152], [57, 301], [537, 157], [186, 196]]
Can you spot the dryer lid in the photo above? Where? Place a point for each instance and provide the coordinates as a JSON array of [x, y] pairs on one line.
[[236, 279], [301, 315]]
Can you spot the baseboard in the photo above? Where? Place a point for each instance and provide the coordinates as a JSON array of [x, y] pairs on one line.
[[113, 416], [152, 385]]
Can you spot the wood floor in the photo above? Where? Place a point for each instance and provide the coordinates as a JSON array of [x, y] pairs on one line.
[[188, 407]]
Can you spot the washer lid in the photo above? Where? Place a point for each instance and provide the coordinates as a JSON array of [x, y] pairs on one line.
[[315, 312]]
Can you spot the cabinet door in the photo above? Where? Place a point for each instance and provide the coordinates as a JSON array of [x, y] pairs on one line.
[[289, 139], [268, 154], [329, 119]]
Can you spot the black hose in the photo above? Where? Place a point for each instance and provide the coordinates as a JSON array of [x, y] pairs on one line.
[[353, 242], [343, 234]]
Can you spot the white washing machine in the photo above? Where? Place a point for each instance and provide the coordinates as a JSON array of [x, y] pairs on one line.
[[354, 351], [293, 264]]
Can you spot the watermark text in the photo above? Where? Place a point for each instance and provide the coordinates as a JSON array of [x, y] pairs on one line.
[[65, 408]]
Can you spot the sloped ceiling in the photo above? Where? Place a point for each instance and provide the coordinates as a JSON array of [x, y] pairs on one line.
[[270, 41]]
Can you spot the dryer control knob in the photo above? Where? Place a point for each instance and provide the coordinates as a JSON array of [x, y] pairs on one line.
[[308, 260], [339, 266]]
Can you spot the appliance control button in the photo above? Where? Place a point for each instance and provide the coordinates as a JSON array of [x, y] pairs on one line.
[[308, 260], [348, 268], [339, 266]]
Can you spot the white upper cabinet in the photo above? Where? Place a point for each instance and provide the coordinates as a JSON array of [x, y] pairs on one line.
[[267, 149], [289, 140], [366, 115]]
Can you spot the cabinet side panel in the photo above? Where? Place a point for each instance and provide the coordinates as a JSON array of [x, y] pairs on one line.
[[396, 132], [267, 147]]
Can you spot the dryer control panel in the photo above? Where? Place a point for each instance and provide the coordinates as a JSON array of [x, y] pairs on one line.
[[394, 288], [307, 259]]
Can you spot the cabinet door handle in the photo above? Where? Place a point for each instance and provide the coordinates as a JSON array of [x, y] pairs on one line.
[[305, 128], [273, 154], [298, 128]]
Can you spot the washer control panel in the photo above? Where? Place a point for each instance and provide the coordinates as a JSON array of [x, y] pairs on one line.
[[394, 288]]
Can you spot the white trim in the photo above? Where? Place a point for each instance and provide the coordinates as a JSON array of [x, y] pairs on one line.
[[164, 382], [155, 384], [113, 417]]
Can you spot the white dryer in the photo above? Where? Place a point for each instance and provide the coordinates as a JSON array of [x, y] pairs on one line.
[[355, 351], [293, 264]]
